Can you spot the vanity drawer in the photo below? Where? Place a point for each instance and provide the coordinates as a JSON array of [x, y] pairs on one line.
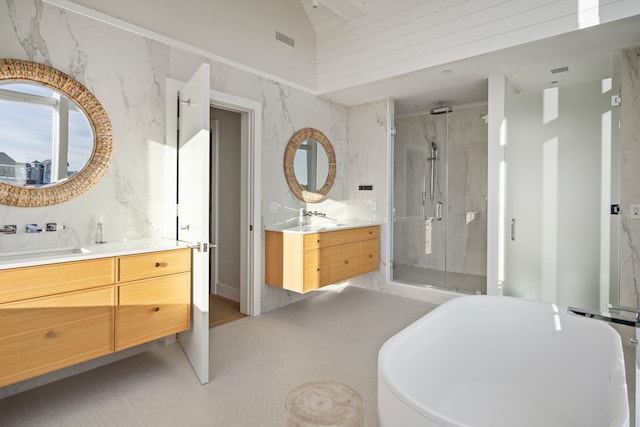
[[345, 262], [153, 264], [316, 269], [369, 232], [343, 236], [41, 335], [37, 281], [152, 308], [315, 240], [369, 255]]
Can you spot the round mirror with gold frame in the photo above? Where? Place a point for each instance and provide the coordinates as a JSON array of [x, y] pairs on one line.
[[310, 165], [52, 176]]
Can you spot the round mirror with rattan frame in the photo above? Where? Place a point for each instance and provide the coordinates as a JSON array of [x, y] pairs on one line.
[[27, 71], [289, 154]]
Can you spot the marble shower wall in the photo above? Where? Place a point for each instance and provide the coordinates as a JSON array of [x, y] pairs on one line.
[[630, 177], [127, 74], [459, 241]]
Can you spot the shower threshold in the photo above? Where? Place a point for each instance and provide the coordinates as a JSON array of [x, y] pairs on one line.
[[451, 281]]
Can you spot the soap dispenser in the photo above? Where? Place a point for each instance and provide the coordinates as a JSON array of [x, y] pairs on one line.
[[101, 236]]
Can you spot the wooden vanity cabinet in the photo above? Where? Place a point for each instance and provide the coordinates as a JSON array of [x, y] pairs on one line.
[[153, 296], [56, 315], [305, 262]]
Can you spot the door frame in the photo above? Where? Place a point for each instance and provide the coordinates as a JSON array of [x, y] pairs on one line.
[[251, 172]]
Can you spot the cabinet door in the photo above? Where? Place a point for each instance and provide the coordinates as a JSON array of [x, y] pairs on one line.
[[152, 308], [345, 261], [41, 335], [369, 255], [316, 269]]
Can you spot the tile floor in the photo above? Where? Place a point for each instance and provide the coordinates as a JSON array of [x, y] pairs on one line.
[[255, 361]]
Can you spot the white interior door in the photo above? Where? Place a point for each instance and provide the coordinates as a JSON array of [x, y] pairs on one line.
[[193, 211]]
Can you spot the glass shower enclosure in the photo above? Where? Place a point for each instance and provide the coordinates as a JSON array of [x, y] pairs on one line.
[[439, 225]]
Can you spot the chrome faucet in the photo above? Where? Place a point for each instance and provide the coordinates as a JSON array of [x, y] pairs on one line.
[[613, 316], [9, 229], [33, 228], [304, 212]]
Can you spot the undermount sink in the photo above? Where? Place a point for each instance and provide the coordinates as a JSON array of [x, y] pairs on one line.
[[41, 253]]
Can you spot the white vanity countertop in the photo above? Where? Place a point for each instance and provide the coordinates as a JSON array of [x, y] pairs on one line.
[[318, 228], [47, 256]]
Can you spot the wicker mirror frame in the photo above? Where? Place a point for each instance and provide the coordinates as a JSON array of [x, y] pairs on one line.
[[27, 71], [289, 154]]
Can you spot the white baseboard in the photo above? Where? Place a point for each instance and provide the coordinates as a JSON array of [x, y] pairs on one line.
[[228, 292]]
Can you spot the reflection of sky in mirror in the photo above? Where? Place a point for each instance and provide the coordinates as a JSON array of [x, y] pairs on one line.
[[300, 166], [25, 129], [32, 88]]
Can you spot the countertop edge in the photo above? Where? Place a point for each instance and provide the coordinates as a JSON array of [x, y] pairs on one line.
[[95, 251], [322, 230]]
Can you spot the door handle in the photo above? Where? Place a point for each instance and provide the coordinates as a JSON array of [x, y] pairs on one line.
[[202, 247], [439, 211], [184, 227], [513, 229]]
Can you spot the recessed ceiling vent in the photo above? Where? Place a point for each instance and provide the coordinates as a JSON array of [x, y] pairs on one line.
[[559, 70], [285, 39]]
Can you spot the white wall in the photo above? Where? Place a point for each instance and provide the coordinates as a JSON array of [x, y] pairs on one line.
[[401, 36], [240, 30], [229, 193]]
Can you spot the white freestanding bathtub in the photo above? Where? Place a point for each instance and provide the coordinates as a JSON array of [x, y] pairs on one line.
[[501, 361]]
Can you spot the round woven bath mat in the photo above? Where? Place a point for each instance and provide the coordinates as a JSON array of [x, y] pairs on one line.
[[323, 403]]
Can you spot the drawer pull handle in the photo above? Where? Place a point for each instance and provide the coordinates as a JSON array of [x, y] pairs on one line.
[[51, 334], [161, 264], [370, 255], [318, 269], [156, 309], [318, 241], [346, 261], [371, 232]]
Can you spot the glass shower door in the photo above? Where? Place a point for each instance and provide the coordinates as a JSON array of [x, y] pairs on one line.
[[439, 200]]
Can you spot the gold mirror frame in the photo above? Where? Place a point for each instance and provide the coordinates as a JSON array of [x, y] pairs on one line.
[[289, 154], [19, 70]]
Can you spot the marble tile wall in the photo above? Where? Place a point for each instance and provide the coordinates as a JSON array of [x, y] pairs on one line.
[[127, 74], [367, 157], [459, 241], [630, 177]]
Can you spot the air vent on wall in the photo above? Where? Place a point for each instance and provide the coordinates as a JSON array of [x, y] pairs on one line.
[[559, 70], [285, 39]]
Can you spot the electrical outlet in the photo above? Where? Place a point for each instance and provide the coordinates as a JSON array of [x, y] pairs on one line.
[[635, 211]]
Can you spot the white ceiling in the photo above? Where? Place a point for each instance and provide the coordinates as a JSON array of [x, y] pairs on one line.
[[588, 53]]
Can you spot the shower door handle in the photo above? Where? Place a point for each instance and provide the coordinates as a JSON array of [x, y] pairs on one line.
[[439, 211], [513, 229]]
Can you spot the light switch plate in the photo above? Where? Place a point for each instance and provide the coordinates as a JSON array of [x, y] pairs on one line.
[[635, 211]]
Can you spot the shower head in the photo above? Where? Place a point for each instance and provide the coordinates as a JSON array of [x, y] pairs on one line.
[[442, 109]]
